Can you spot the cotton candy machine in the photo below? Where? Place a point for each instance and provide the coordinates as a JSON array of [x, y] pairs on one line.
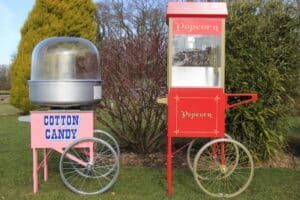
[[65, 73], [65, 76]]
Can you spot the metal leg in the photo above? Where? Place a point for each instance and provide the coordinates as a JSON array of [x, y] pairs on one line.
[[35, 170], [169, 164], [92, 150], [222, 153], [45, 164], [214, 154]]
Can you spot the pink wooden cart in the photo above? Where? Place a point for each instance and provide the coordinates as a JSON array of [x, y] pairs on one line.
[[88, 165], [65, 75]]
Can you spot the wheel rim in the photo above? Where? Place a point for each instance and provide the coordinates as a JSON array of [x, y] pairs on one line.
[[89, 166], [190, 155], [108, 138], [226, 178]]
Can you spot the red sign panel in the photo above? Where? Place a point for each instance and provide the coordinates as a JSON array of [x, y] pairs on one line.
[[197, 26], [196, 112]]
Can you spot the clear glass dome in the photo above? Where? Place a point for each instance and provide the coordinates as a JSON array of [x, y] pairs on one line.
[[65, 58]]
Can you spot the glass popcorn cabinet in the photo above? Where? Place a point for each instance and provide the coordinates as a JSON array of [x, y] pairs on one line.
[[197, 101], [196, 53]]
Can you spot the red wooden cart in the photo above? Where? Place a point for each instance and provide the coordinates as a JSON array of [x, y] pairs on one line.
[[197, 101]]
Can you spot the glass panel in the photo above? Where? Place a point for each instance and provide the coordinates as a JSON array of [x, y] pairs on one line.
[[65, 58], [196, 60]]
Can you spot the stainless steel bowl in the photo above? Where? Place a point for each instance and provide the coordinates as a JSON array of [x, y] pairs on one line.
[[65, 93]]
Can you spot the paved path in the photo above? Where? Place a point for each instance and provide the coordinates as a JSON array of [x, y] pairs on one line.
[[7, 109]]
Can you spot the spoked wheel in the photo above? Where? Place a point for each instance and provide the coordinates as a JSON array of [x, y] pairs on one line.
[[192, 150], [89, 166], [223, 168], [108, 138]]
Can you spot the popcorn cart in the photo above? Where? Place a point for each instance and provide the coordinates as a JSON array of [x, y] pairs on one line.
[[65, 77], [197, 101]]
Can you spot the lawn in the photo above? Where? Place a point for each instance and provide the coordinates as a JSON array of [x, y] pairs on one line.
[[133, 183]]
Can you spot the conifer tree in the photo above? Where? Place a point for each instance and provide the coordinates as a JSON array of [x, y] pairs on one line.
[[48, 18]]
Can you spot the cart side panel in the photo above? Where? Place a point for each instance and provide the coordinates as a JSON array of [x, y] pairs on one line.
[[196, 112], [58, 129]]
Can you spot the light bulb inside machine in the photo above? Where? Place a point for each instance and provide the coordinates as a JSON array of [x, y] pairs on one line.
[[190, 42]]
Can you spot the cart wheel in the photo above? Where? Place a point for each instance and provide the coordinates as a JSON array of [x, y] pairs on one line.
[[108, 138], [227, 171], [89, 166], [193, 149]]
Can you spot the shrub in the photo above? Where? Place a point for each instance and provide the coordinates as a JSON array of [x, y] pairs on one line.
[[262, 56], [48, 18], [133, 75]]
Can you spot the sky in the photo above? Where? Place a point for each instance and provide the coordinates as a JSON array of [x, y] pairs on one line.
[[13, 16]]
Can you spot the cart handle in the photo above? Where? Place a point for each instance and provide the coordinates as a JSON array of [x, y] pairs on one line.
[[254, 97]]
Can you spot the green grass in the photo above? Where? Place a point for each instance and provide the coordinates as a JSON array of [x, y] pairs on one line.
[[132, 184]]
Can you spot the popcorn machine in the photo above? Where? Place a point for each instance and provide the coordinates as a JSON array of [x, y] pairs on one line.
[[197, 101]]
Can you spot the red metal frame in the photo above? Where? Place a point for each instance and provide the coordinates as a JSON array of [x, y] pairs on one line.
[[253, 97]]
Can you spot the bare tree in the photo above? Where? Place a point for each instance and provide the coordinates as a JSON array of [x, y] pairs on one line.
[[133, 43], [4, 77], [197, 0]]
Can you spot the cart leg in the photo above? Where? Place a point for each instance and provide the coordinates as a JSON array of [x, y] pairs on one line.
[[35, 170], [169, 165], [223, 153], [45, 165], [214, 151], [92, 150]]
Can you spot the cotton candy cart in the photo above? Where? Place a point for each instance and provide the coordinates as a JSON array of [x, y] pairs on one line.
[[65, 78]]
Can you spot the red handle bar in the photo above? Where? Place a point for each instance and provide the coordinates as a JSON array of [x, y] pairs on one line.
[[254, 97]]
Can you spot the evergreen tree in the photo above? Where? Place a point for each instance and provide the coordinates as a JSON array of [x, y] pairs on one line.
[[48, 18], [262, 56]]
